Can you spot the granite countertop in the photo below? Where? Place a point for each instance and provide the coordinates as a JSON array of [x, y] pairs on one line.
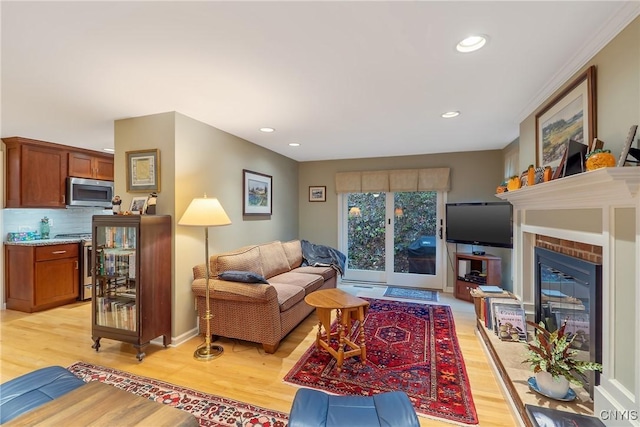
[[45, 242]]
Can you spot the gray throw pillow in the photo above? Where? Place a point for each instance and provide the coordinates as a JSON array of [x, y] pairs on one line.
[[242, 276]]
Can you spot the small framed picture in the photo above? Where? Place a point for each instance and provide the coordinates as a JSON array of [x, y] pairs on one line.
[[317, 193], [138, 205]]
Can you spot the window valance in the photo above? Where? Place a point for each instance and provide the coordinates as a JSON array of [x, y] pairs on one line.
[[433, 179]]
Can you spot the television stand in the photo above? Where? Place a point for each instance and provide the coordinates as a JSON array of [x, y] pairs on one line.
[[472, 270]]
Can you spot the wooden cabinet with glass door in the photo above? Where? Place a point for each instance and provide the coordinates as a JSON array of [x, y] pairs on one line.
[[132, 279]]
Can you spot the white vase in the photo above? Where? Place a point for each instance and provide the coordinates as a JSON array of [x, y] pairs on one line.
[[556, 388]]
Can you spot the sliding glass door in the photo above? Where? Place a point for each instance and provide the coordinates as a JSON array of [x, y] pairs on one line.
[[393, 238]]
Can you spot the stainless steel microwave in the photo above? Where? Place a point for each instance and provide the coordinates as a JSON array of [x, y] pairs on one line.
[[89, 192]]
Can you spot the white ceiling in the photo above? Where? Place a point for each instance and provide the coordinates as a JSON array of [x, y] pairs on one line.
[[343, 79]]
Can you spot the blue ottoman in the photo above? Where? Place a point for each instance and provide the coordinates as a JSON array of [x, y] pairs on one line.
[[312, 408], [31, 390]]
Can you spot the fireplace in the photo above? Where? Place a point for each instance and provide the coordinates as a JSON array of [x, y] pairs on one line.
[[569, 289]]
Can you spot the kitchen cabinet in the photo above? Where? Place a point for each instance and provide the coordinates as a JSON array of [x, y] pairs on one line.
[[37, 171], [96, 166], [41, 277], [36, 174]]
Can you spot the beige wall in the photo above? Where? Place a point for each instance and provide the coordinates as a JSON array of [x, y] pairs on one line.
[[474, 177], [197, 159], [617, 94]]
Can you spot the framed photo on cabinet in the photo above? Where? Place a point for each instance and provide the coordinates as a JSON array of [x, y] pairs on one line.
[[138, 205]]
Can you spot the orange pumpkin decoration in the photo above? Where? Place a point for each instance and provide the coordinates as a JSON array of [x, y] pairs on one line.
[[513, 183], [600, 159], [548, 174]]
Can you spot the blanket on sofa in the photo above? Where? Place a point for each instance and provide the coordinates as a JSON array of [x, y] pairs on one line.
[[321, 255]]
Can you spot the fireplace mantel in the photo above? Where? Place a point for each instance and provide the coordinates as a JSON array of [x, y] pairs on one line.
[[590, 189], [597, 208]]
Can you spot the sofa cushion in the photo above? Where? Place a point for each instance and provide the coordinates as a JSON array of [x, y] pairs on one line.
[[325, 271], [273, 259], [306, 281], [288, 295], [242, 276], [293, 250], [244, 259]]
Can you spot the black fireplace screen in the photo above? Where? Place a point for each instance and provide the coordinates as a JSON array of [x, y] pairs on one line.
[[569, 289]]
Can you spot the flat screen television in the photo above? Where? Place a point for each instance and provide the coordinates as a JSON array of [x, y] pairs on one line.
[[480, 223]]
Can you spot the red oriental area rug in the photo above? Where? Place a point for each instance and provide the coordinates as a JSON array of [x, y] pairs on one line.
[[209, 409], [410, 347]]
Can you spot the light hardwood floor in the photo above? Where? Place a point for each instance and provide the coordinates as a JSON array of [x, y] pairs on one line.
[[244, 372]]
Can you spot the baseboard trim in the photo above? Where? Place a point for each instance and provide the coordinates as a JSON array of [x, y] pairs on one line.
[[180, 339]]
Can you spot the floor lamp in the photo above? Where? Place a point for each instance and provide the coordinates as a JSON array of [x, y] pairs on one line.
[[206, 213]]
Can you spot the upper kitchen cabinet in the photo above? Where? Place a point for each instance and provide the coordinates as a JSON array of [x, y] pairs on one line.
[[96, 166], [37, 171], [36, 174]]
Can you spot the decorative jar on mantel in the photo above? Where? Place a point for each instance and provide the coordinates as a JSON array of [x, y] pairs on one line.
[[600, 159]]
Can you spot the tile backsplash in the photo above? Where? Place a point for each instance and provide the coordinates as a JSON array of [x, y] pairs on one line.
[[62, 221]]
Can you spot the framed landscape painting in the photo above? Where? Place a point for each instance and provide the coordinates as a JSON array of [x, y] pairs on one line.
[[318, 193], [257, 193], [569, 116]]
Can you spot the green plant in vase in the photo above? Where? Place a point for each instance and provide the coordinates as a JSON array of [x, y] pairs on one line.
[[554, 362]]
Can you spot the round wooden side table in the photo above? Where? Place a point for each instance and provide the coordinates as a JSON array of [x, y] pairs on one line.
[[348, 308]]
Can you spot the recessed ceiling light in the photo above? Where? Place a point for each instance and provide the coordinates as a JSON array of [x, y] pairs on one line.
[[471, 44], [294, 144], [450, 114], [267, 130], [109, 150]]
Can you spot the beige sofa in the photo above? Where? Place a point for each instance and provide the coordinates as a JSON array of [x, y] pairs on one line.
[[257, 312]]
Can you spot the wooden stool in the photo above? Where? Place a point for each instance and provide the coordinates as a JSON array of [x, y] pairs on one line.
[[348, 308]]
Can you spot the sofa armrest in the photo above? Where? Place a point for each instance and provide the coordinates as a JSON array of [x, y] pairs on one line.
[[235, 291], [199, 271]]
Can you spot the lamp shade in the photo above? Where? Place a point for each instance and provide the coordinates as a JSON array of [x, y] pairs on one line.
[[204, 212]]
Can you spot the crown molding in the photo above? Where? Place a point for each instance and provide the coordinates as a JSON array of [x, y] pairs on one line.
[[626, 13]]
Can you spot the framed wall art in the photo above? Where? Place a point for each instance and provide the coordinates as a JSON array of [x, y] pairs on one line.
[[143, 170], [569, 116], [317, 193], [257, 193]]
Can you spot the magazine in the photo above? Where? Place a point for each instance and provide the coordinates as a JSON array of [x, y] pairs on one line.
[[510, 323], [490, 310]]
